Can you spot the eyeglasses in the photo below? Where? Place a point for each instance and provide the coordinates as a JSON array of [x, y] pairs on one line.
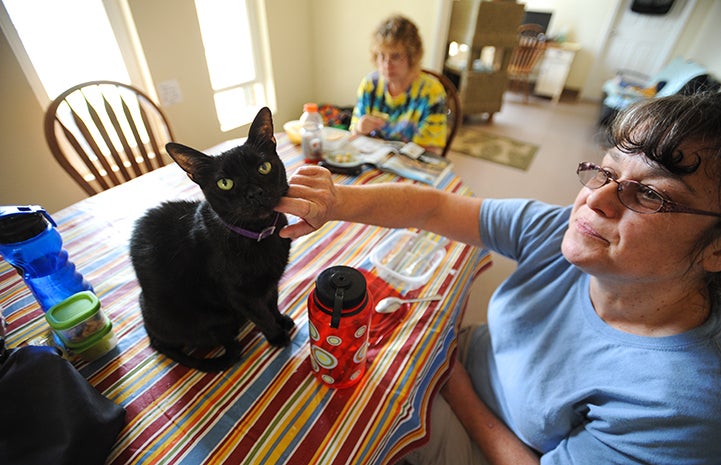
[[393, 58], [632, 194]]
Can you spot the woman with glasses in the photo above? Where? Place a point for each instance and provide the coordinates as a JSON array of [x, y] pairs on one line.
[[398, 101], [604, 345]]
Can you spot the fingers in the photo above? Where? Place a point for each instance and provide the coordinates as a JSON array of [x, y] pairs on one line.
[[313, 176], [296, 230], [302, 209], [298, 207], [369, 123], [312, 184], [311, 197], [376, 121]]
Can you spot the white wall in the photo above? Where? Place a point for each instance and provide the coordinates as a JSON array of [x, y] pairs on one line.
[[342, 37], [584, 22], [342, 31], [704, 45]]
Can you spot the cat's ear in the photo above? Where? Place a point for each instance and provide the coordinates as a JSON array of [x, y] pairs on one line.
[[188, 158], [261, 131]]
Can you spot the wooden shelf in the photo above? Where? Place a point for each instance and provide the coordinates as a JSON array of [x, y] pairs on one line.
[[484, 27]]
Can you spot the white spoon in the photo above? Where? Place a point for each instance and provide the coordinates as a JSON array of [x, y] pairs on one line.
[[391, 304]]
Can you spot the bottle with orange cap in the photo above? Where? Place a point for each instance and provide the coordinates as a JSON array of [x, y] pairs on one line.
[[311, 133]]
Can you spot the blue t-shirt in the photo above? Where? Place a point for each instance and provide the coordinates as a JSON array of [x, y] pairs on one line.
[[571, 386]]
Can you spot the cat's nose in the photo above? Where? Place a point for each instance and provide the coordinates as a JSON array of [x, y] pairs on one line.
[[254, 193]]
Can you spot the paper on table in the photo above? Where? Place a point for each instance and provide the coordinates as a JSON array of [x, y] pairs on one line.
[[386, 156]]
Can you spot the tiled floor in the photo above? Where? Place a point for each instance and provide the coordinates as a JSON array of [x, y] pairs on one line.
[[564, 132]]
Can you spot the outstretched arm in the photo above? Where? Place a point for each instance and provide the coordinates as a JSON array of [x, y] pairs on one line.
[[314, 198]]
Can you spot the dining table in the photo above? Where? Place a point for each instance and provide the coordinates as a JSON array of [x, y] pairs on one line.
[[269, 408]]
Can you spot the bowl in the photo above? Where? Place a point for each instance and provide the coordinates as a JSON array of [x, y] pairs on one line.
[[292, 130], [334, 138], [343, 158], [407, 260]]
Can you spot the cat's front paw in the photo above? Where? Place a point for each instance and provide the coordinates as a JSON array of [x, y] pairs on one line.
[[280, 339], [279, 334], [286, 322]]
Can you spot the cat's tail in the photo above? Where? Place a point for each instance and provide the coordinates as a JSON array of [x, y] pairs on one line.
[[222, 362]]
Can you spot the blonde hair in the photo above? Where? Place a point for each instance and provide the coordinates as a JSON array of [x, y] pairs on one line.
[[398, 30]]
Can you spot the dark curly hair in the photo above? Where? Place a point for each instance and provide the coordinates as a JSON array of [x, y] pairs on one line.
[[659, 128], [663, 130]]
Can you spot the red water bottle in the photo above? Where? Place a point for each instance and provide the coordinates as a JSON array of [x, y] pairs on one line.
[[339, 316]]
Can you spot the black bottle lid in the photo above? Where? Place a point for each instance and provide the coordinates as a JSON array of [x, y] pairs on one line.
[[349, 280], [340, 291], [20, 223]]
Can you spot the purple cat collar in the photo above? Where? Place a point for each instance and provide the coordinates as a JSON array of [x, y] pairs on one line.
[[259, 236]]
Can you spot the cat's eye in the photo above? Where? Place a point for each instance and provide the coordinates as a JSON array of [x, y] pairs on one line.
[[225, 184], [265, 168]]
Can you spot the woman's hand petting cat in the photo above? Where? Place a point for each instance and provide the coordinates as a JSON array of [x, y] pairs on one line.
[[312, 197]]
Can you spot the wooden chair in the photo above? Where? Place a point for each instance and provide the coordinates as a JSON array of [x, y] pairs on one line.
[[531, 47], [454, 113], [104, 133]]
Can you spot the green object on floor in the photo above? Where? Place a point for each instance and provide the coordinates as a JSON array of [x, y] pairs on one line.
[[498, 149]]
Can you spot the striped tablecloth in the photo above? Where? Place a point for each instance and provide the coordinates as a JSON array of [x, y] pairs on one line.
[[269, 409]]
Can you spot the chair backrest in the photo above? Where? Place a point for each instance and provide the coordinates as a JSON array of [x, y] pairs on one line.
[[104, 133], [454, 113], [531, 46]]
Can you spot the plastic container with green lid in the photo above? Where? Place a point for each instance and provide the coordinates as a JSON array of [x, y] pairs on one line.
[[77, 318], [96, 345], [81, 326]]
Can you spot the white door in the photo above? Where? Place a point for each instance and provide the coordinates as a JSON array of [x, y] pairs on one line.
[[637, 42], [642, 42]]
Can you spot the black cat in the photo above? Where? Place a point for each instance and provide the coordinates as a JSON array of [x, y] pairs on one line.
[[209, 266]]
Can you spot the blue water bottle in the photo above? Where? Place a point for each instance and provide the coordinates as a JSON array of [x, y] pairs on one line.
[[30, 242]]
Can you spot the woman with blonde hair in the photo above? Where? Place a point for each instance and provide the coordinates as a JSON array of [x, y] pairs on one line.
[[398, 101]]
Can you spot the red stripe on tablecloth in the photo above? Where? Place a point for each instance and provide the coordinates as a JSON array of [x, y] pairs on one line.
[[144, 440], [269, 407], [214, 386]]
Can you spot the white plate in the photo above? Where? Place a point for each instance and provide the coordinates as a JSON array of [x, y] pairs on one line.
[[334, 138]]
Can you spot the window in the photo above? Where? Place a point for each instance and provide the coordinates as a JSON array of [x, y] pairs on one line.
[[235, 72], [62, 44], [69, 58], [232, 33]]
